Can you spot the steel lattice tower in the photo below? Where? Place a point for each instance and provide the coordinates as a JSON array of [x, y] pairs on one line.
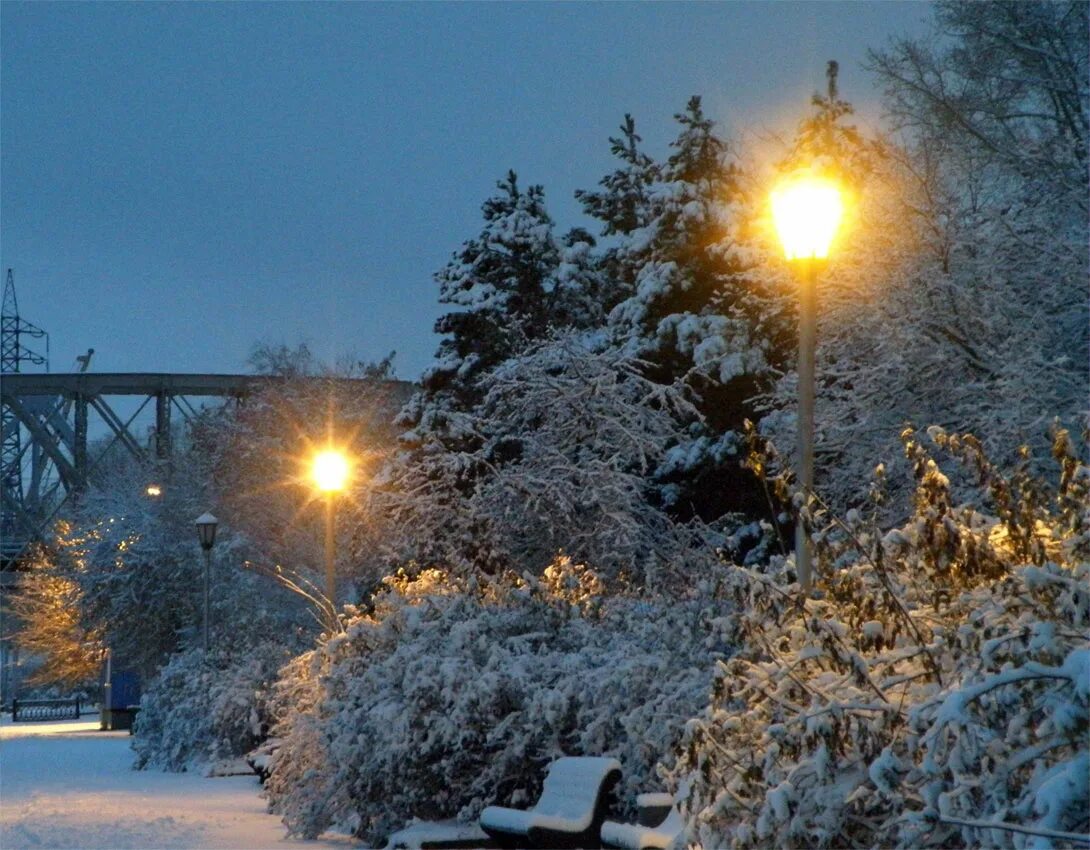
[[13, 354]]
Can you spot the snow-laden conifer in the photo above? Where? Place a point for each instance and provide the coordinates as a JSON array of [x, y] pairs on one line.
[[501, 285]]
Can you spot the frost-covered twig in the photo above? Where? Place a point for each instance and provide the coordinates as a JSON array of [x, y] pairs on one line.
[[1080, 838]]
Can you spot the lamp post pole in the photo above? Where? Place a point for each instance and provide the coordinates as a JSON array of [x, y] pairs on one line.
[[807, 211], [207, 596], [206, 533], [330, 471], [807, 339], [330, 549]]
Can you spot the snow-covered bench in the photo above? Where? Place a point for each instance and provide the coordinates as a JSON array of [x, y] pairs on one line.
[[570, 811], [659, 823]]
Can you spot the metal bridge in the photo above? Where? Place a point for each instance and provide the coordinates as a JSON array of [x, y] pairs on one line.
[[57, 410]]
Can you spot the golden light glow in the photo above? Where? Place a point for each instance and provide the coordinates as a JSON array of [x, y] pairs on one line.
[[330, 470], [807, 211], [154, 490]]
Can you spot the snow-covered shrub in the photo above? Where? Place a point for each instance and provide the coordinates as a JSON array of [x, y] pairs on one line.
[[448, 696], [202, 708], [933, 692]]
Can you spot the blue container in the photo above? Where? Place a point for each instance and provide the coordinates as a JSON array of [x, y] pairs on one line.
[[122, 700]]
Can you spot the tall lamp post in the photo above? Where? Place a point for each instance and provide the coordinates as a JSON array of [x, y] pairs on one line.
[[807, 210], [206, 533], [329, 471]]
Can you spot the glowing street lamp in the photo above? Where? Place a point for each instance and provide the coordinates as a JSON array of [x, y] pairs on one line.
[[807, 211], [330, 471]]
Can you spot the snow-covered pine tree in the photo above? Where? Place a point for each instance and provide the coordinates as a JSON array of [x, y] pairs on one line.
[[826, 141], [587, 291], [511, 284], [624, 202], [699, 308], [623, 205], [502, 286]]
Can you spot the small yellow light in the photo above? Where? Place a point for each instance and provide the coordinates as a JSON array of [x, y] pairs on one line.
[[154, 490], [807, 211], [330, 470]]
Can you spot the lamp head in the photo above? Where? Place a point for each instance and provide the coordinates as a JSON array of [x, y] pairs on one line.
[[807, 210], [206, 530], [330, 470]]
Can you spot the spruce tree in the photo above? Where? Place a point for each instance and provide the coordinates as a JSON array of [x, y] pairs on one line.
[[584, 287], [503, 283], [624, 206], [700, 312], [623, 203]]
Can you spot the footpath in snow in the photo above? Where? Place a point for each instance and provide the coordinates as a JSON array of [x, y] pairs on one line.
[[69, 785]]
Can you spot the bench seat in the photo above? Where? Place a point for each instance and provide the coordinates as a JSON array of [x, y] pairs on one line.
[[643, 836]]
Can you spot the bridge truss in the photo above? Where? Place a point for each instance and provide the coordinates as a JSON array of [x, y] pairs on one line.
[[55, 413]]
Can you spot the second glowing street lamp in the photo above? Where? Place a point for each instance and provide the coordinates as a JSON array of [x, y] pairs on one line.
[[807, 210], [330, 470]]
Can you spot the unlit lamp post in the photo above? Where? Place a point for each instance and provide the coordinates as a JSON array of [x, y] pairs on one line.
[[206, 533], [807, 210], [330, 470]]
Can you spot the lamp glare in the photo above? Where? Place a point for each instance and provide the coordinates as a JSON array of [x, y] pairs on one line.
[[807, 212], [330, 471]]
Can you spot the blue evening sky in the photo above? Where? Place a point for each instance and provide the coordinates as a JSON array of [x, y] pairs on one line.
[[182, 180]]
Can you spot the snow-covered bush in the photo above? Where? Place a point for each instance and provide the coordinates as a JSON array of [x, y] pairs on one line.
[[448, 696], [200, 708], [933, 692]]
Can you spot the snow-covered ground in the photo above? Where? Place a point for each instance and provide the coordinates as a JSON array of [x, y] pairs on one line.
[[69, 785]]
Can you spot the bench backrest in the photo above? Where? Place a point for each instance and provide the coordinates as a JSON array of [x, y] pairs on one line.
[[572, 786]]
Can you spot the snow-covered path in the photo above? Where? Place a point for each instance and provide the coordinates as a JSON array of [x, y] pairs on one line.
[[69, 785]]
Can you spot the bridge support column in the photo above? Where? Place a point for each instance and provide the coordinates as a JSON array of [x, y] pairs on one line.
[[162, 425], [79, 444]]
